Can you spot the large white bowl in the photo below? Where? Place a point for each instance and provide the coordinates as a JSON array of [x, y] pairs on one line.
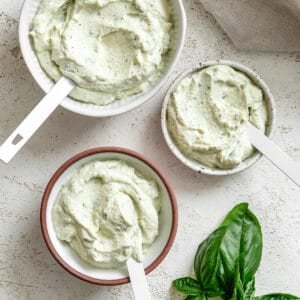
[[67, 258], [195, 165], [29, 10]]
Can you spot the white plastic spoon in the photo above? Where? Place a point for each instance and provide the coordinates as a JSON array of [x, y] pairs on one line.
[[270, 150], [138, 280], [35, 119]]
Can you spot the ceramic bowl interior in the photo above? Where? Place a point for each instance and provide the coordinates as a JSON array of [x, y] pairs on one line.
[[29, 10], [194, 165], [68, 259]]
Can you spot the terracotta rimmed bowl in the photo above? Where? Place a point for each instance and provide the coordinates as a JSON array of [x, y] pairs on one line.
[[197, 166], [67, 258], [117, 107]]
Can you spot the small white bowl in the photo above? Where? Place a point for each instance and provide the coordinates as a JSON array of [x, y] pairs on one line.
[[67, 258], [29, 10], [197, 166]]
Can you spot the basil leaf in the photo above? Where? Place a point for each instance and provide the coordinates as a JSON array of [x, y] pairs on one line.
[[277, 297], [242, 242], [207, 264], [187, 286], [235, 247]]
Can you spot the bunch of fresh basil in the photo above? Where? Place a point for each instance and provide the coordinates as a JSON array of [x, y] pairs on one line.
[[226, 262]]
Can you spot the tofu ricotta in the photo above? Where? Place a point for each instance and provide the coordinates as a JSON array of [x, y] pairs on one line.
[[111, 49], [107, 212], [208, 113]]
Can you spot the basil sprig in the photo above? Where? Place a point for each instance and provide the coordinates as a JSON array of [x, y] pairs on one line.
[[226, 262]]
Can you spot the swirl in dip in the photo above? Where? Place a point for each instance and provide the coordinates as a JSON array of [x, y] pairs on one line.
[[111, 49], [208, 112], [107, 212]]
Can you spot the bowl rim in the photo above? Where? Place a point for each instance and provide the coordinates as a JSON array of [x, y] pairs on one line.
[[197, 166], [57, 175], [90, 109]]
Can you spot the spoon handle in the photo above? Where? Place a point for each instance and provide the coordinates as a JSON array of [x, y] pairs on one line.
[[35, 119], [280, 159], [138, 280]]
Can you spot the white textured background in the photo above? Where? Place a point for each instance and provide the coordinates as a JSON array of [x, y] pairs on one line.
[[27, 271]]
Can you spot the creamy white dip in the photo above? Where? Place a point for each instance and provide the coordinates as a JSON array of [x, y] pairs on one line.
[[208, 113], [107, 212], [110, 48]]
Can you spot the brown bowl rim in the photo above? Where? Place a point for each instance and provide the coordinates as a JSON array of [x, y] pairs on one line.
[[57, 175]]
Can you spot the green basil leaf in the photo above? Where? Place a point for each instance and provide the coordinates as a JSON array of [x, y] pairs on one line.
[[187, 286], [242, 242], [277, 297], [207, 264], [237, 242]]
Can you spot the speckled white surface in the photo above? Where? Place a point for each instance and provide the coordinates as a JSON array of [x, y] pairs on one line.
[[27, 270]]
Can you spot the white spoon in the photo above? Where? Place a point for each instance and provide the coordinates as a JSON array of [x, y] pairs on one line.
[[138, 280], [35, 119], [271, 151]]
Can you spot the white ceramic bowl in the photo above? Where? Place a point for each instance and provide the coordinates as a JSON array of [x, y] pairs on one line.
[[197, 166], [67, 258], [119, 106]]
